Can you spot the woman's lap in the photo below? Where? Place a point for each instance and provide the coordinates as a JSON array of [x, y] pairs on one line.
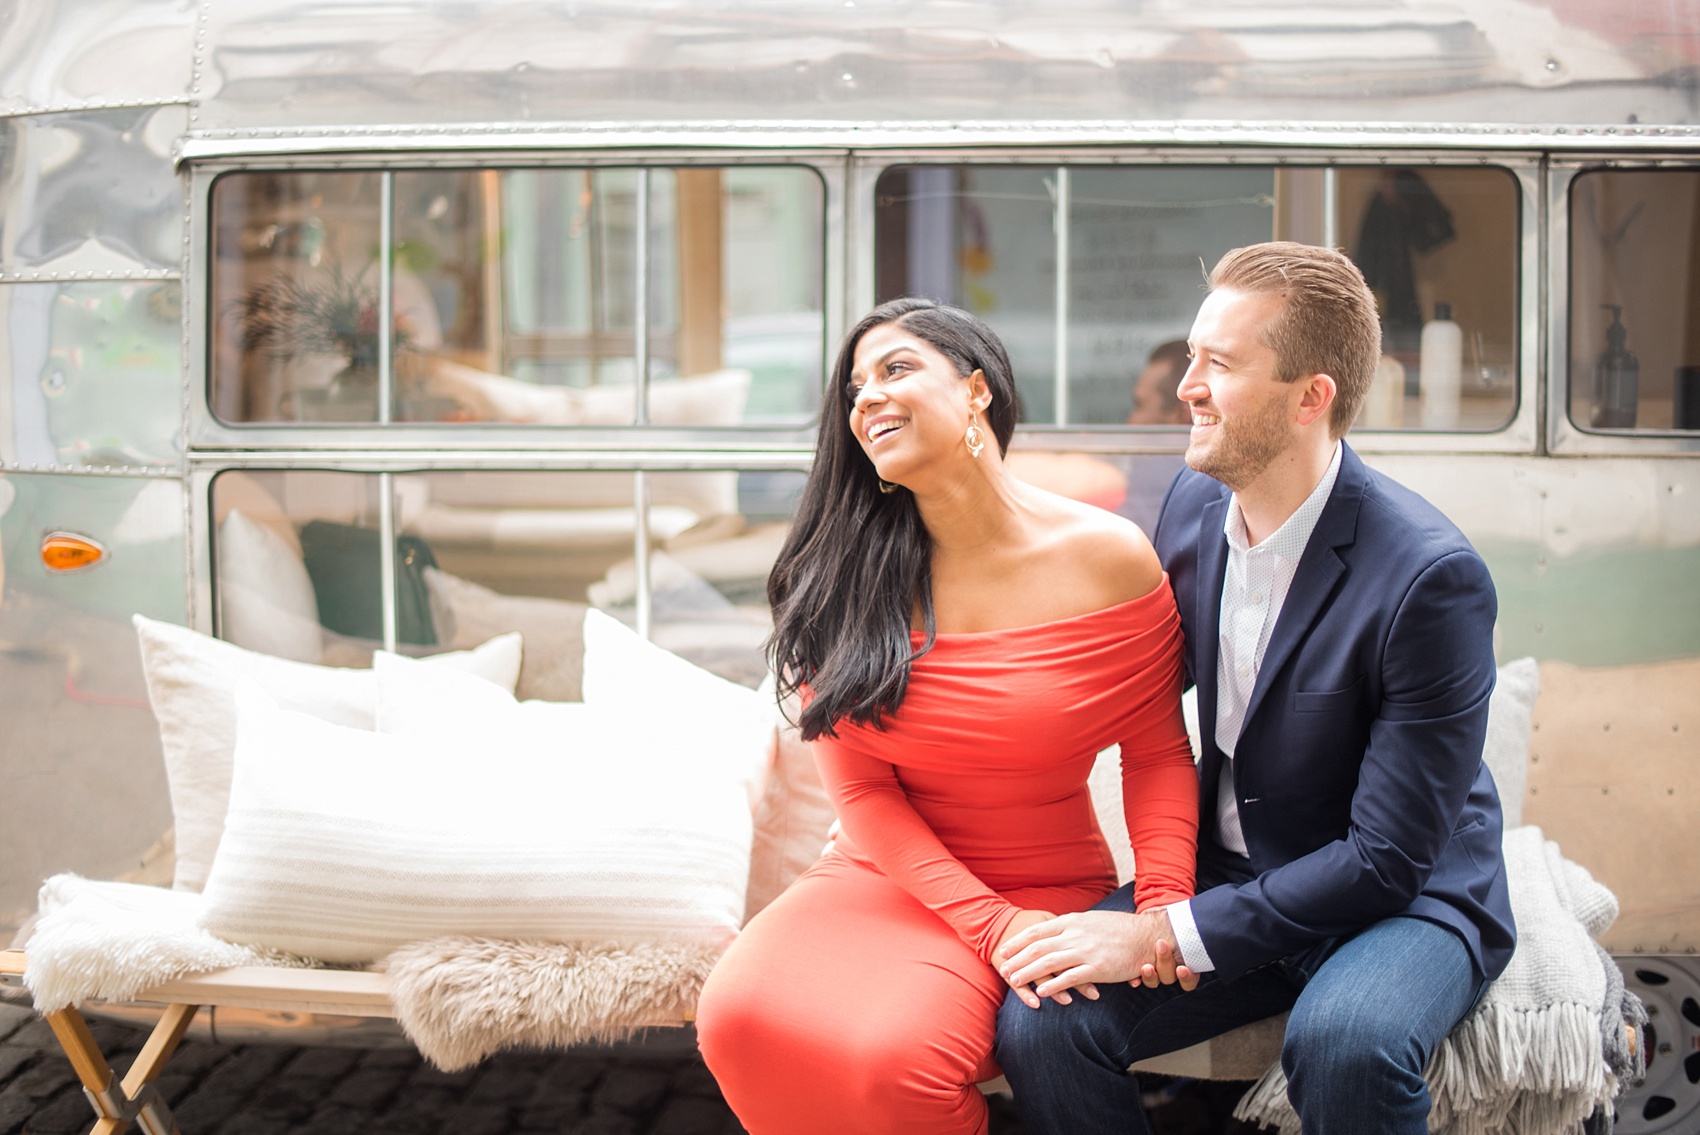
[[847, 996]]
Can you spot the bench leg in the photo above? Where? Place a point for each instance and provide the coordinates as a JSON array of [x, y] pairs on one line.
[[135, 1100]]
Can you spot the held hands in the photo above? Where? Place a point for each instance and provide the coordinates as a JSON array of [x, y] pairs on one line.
[[1018, 924], [1076, 950]]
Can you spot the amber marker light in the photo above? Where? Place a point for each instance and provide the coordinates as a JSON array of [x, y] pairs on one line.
[[66, 551]]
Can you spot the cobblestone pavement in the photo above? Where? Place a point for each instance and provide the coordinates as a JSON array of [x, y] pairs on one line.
[[659, 1088]]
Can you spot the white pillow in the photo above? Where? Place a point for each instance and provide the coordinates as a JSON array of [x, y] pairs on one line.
[[624, 672], [190, 681], [1511, 712], [266, 599], [565, 823], [415, 697]]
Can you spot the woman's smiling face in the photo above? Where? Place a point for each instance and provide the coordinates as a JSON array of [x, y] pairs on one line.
[[909, 408]]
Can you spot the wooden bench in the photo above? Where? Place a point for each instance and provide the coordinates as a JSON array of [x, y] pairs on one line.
[[273, 991]]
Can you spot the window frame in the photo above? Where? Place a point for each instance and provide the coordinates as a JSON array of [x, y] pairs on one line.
[[1520, 434], [205, 431], [1563, 436]]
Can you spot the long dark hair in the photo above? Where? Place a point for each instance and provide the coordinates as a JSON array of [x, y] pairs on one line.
[[858, 562]]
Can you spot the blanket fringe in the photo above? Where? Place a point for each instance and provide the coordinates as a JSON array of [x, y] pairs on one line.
[[1502, 1071]]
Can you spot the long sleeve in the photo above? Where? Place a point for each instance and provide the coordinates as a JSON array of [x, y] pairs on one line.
[[1422, 757], [879, 819], [1160, 801]]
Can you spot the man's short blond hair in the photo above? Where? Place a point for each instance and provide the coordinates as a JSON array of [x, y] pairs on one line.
[[1328, 325]]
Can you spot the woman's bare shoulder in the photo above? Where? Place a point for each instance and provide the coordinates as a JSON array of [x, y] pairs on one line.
[[1113, 557]]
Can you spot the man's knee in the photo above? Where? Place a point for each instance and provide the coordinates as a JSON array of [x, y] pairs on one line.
[[1033, 1037], [1349, 1042], [1025, 1034]]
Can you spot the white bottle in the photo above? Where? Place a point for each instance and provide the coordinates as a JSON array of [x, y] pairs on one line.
[[1440, 369], [1384, 408]]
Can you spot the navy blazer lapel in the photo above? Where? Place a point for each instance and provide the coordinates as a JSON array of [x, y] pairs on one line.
[[1206, 617], [1320, 568]]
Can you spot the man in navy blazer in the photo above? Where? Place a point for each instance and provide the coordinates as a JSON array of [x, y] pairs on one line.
[[1339, 631]]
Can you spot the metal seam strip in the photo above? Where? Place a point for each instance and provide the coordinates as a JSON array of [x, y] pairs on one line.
[[98, 105], [386, 391], [1060, 206]]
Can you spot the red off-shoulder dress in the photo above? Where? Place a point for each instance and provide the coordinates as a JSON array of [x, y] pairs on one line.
[[864, 999]]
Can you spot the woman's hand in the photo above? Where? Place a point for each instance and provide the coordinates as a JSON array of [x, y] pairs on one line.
[[1093, 946], [1020, 922]]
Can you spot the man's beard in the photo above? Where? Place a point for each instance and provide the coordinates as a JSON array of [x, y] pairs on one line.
[[1244, 446]]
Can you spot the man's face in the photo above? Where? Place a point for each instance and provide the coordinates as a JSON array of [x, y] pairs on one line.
[[1154, 402], [1242, 414]]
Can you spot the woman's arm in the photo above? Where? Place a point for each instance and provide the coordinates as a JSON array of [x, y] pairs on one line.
[[1160, 801], [879, 819]]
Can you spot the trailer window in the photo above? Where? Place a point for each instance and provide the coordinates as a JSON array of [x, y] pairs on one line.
[[1101, 342], [1635, 300], [515, 296], [482, 553]]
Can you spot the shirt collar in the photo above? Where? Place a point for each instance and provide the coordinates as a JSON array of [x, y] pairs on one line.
[[1289, 540]]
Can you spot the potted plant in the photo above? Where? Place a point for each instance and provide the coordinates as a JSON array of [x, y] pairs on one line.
[[332, 313]]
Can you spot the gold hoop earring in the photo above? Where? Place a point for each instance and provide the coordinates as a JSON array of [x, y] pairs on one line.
[[889, 486], [976, 439]]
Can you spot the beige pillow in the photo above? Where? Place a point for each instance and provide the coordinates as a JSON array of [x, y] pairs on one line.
[[791, 821], [191, 678], [713, 399], [466, 614]]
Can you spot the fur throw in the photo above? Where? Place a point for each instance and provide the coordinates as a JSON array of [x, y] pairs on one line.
[[1545, 1047], [460, 999], [112, 941]]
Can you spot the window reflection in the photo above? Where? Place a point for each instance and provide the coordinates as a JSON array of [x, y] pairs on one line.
[[1432, 241], [484, 553], [296, 557], [514, 295], [1635, 300], [1438, 246]]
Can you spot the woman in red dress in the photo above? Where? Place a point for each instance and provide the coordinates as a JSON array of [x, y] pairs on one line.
[[965, 645]]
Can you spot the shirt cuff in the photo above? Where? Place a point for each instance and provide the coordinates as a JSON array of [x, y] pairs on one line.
[[1193, 954]]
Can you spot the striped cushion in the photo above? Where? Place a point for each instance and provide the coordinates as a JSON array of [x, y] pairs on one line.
[[563, 822]]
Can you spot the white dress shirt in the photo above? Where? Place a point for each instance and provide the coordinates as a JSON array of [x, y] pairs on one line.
[[1254, 589]]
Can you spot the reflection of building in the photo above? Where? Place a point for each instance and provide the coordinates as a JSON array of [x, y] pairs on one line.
[[529, 276]]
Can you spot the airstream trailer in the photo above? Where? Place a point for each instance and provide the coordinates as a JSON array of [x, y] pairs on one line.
[[347, 325]]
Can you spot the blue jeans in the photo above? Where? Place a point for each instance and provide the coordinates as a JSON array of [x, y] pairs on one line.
[[1366, 1017]]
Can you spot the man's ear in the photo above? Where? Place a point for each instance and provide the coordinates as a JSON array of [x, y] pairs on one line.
[[979, 393], [1317, 397]]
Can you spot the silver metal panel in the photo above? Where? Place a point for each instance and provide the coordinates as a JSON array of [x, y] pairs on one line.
[[72, 54], [91, 194], [91, 375], [269, 63], [1592, 559], [382, 141], [85, 783]]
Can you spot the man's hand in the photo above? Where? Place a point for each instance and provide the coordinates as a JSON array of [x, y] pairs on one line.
[[1077, 950], [1021, 921]]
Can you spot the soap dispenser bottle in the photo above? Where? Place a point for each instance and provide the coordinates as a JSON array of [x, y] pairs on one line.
[[1617, 378], [1440, 366]]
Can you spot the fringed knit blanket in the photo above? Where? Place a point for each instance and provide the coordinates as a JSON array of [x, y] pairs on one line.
[[1548, 1042], [458, 999]]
